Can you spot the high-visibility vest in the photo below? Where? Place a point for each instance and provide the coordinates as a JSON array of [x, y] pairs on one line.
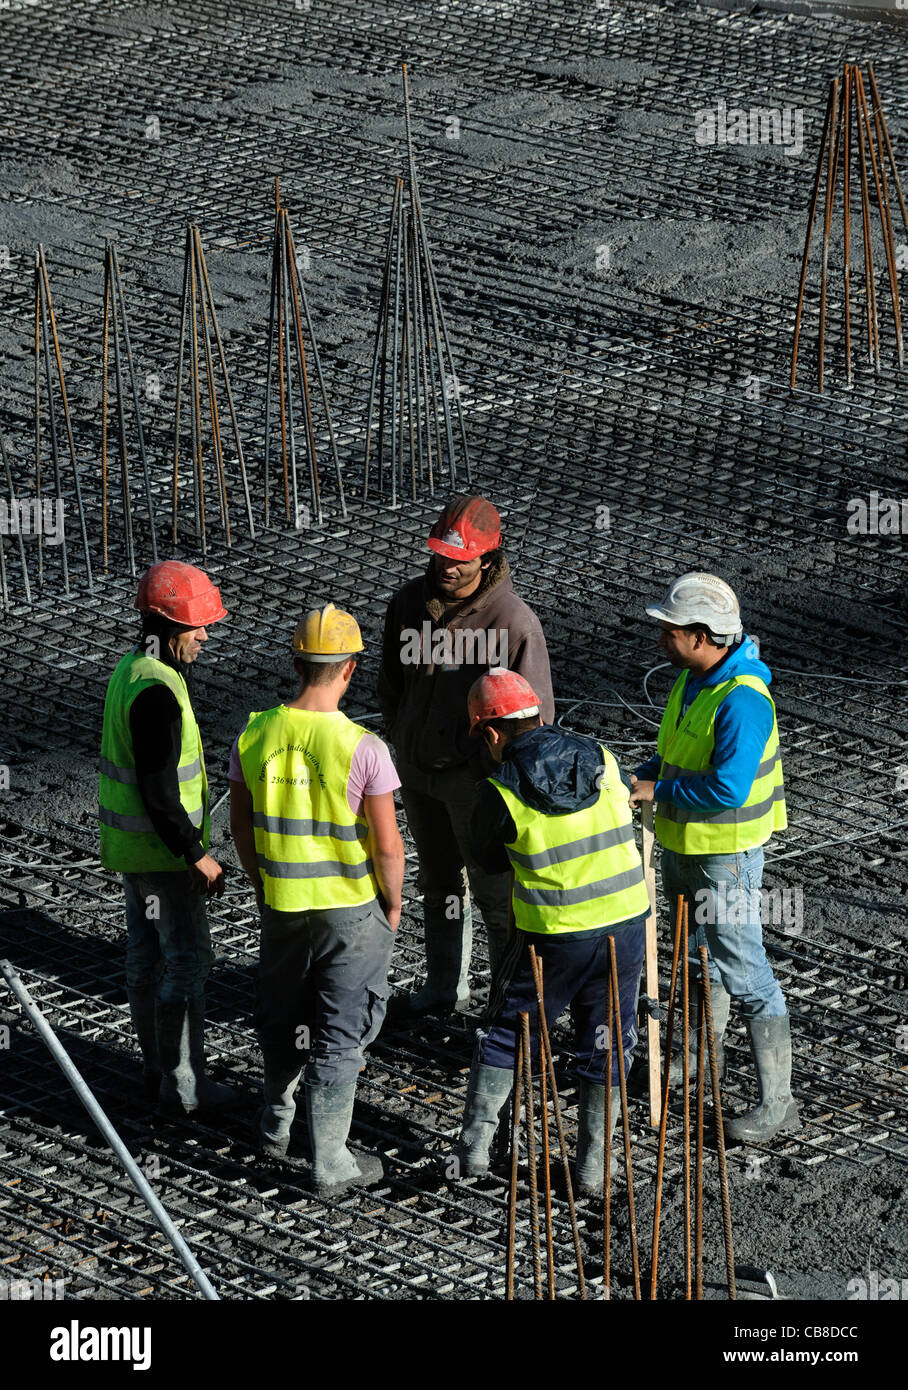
[[312, 850], [129, 843], [580, 870], [686, 745]]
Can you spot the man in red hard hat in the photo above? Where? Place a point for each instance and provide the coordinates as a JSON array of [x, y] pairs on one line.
[[555, 811], [442, 630], [153, 795]]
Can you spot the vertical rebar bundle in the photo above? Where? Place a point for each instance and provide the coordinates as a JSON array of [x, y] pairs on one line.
[[45, 334], [289, 305], [851, 122], [414, 391], [198, 325], [115, 317]]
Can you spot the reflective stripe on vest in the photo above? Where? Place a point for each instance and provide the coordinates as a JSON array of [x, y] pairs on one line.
[[312, 850], [580, 870], [686, 745], [129, 843]]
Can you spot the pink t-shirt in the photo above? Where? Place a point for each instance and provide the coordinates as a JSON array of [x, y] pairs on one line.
[[371, 773]]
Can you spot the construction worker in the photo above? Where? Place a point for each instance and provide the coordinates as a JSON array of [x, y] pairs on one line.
[[153, 795], [313, 819], [443, 630], [717, 781], [555, 812]]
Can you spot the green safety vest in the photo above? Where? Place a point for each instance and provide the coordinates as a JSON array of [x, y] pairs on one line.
[[580, 870], [686, 745], [129, 843], [312, 850]]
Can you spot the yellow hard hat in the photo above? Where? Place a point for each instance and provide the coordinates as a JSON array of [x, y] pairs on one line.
[[327, 634]]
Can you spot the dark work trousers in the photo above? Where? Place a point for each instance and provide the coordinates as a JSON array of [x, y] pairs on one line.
[[322, 991], [574, 972]]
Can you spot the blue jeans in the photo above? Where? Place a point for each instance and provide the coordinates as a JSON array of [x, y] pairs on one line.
[[575, 972], [723, 913], [168, 944]]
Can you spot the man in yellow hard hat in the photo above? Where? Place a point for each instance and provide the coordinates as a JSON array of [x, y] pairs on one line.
[[313, 819], [153, 795]]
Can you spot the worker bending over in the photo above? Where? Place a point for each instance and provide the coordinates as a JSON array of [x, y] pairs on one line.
[[442, 631], [313, 819], [555, 811], [717, 781], [153, 795]]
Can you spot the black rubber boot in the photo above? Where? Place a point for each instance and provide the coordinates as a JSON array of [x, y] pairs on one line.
[[329, 1110], [487, 1094], [721, 1002], [770, 1040], [591, 1137], [142, 1011], [181, 1048]]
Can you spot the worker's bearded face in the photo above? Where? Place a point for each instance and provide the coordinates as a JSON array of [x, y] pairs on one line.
[[456, 578], [187, 644]]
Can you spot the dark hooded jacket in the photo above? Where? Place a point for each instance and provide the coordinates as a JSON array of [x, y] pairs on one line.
[[552, 772], [424, 702]]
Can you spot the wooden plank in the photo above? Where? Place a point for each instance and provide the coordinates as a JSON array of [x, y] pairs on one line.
[[651, 969]]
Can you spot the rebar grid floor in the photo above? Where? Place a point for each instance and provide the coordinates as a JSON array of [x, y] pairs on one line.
[[583, 390]]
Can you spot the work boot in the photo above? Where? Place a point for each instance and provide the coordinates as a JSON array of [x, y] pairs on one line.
[[181, 1048], [142, 1012], [277, 1114], [487, 1094], [770, 1041], [721, 1002], [591, 1137], [329, 1110], [446, 989]]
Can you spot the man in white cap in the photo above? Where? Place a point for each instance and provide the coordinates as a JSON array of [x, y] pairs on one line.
[[717, 784]]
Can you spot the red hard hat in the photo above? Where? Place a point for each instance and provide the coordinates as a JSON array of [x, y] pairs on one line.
[[181, 593], [500, 694], [468, 526]]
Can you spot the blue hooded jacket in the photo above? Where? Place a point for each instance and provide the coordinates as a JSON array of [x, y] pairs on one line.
[[743, 724], [552, 771]]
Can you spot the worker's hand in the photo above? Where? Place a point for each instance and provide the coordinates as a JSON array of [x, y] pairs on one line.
[[259, 890], [641, 791], [393, 916], [207, 876]]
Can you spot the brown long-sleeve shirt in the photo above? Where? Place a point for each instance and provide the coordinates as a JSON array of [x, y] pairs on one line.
[[430, 659]]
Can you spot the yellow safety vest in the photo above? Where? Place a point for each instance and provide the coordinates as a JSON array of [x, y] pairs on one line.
[[129, 843], [686, 745], [312, 850], [580, 870]]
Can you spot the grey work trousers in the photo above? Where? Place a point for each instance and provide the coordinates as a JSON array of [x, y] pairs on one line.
[[321, 993]]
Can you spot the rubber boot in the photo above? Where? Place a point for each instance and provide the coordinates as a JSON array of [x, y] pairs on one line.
[[142, 1011], [770, 1040], [446, 989], [329, 1110], [591, 1137], [487, 1094], [278, 1112], [721, 1002], [181, 1048]]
